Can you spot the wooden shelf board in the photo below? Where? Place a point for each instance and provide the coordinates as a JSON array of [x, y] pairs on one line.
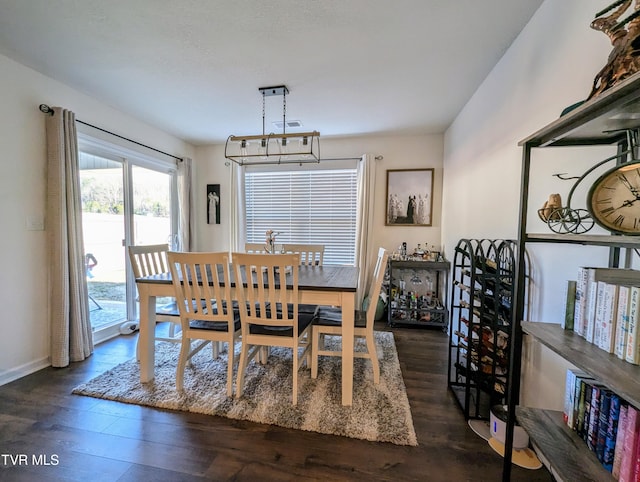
[[419, 264], [595, 120], [585, 239], [560, 449], [618, 375]]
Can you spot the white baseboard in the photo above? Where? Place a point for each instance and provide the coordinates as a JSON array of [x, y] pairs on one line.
[[24, 370], [33, 366]]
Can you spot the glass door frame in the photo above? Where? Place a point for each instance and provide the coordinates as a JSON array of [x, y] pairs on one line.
[[130, 158]]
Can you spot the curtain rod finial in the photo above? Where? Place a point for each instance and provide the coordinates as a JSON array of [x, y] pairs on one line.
[[46, 109]]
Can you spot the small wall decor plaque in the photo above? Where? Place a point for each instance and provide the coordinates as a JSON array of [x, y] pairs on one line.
[[213, 203]]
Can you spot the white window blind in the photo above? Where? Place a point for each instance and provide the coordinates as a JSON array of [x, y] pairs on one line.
[[307, 207]]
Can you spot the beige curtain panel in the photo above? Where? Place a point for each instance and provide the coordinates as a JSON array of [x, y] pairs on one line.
[[71, 337]]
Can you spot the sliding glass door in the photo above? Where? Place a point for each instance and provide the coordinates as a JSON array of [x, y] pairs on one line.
[[123, 202]]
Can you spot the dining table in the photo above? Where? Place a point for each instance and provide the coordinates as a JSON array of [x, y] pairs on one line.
[[332, 285]]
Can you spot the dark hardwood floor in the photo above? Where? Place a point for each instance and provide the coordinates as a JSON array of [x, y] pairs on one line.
[[86, 439]]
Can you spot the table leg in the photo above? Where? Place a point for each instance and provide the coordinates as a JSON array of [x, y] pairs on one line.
[[147, 329], [348, 310]]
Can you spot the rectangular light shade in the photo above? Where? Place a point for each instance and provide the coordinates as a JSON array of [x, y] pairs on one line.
[[300, 147]]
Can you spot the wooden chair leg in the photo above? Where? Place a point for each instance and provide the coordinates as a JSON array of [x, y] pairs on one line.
[[182, 362], [295, 374], [373, 355], [230, 363], [215, 349], [242, 365], [315, 339]]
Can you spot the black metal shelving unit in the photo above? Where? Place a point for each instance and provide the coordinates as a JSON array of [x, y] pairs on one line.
[[600, 121], [482, 292]]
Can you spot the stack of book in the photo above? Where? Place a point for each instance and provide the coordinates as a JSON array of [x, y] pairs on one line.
[[607, 424], [603, 306]]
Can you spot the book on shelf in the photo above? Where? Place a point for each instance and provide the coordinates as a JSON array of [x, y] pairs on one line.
[[612, 432], [570, 305], [603, 424], [592, 300], [581, 301], [609, 317], [594, 417], [583, 385], [585, 305], [628, 462], [569, 397], [633, 336], [572, 395], [598, 324], [622, 427], [584, 408], [622, 323]]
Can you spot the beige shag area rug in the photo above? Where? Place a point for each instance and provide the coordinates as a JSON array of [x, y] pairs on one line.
[[379, 413]]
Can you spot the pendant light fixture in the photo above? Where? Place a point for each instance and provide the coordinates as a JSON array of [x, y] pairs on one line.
[[284, 148]]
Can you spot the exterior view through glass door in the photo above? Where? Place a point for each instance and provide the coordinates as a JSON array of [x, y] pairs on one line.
[[122, 203]]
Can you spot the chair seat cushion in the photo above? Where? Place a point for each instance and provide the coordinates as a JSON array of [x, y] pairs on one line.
[[303, 308], [332, 316], [215, 325], [304, 320]]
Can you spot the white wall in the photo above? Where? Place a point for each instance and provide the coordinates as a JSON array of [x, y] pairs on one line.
[[24, 345], [550, 66], [399, 152]]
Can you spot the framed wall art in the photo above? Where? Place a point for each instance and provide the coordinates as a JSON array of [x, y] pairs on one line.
[[213, 203], [409, 197]]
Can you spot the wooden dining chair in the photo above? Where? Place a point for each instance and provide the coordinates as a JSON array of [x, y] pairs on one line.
[[328, 321], [255, 248], [310, 254], [203, 293], [269, 310], [148, 260]]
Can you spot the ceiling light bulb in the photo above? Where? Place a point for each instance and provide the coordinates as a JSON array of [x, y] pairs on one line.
[[243, 149]]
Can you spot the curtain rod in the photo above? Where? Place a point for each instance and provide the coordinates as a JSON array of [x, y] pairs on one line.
[[48, 110]]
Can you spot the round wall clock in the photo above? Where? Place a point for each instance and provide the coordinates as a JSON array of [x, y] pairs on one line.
[[614, 199]]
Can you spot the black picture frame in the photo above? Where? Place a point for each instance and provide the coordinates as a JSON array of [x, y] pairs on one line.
[[213, 203], [409, 197]]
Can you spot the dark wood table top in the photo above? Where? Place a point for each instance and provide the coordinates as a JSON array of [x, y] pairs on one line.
[[311, 278]]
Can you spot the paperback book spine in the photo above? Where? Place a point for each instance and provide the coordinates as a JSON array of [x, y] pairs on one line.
[[622, 325], [594, 418], [580, 303], [607, 336], [592, 300], [603, 424], [570, 305], [628, 462], [633, 338], [569, 397], [622, 427], [612, 432]]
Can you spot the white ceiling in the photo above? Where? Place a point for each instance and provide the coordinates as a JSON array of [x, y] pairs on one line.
[[193, 67]]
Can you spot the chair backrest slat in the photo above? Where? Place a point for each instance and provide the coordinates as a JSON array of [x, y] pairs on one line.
[[376, 284]]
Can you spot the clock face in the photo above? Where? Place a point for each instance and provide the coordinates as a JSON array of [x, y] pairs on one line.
[[614, 199]]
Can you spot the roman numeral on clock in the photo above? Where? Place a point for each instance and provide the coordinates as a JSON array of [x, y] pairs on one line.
[[618, 221], [607, 211]]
